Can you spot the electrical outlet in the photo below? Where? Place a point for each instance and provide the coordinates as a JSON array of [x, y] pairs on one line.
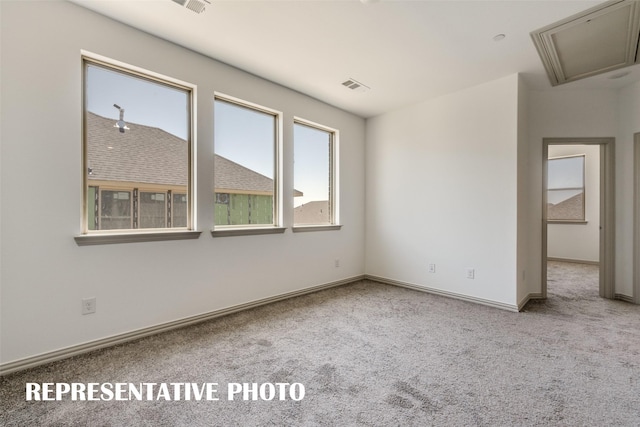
[[337, 262], [89, 305], [471, 273], [432, 268]]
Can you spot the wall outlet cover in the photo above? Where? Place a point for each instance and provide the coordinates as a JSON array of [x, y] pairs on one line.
[[88, 305]]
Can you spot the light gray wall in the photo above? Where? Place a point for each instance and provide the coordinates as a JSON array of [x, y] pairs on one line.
[[45, 274], [525, 266], [442, 188], [588, 113], [579, 242], [629, 124], [467, 167]]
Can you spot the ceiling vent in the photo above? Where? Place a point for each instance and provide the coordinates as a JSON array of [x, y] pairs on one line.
[[598, 40], [196, 6], [355, 85]]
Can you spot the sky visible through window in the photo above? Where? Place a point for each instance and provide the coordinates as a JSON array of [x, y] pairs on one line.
[[242, 135], [145, 102], [565, 178], [311, 164], [122, 165], [245, 136]]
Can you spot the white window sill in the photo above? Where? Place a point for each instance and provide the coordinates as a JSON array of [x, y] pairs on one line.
[[135, 237], [305, 228], [245, 231]]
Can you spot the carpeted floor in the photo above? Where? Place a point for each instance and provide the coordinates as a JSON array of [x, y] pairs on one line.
[[373, 355]]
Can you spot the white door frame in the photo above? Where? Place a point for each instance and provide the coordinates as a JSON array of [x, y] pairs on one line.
[[607, 210]]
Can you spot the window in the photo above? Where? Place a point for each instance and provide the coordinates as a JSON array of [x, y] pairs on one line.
[[565, 190], [179, 210], [115, 210], [137, 150], [245, 164], [314, 174]]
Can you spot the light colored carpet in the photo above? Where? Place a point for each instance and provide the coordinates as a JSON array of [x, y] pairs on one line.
[[373, 355]]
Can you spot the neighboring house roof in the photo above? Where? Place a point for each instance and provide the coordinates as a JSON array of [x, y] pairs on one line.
[[146, 154], [230, 176], [312, 213], [142, 154], [572, 208]]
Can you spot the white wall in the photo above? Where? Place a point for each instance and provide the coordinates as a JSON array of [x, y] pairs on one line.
[[45, 274], [524, 259], [442, 188], [628, 125], [579, 242], [559, 113], [454, 181]]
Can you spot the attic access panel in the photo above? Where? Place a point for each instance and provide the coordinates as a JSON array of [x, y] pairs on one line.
[[598, 40]]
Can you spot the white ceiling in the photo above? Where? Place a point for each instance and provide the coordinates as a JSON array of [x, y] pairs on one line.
[[406, 51]]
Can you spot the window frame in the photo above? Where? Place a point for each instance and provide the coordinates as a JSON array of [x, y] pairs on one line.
[[97, 237], [334, 188], [276, 226], [583, 218]]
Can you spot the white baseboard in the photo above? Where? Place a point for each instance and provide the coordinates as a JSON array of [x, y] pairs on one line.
[[52, 356], [495, 304], [529, 297], [575, 261], [625, 298]]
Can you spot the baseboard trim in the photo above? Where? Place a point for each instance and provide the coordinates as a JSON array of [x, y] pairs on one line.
[[625, 298], [529, 297], [65, 353], [575, 261], [494, 304]]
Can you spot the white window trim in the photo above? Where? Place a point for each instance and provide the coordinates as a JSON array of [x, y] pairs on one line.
[[150, 235], [334, 179], [256, 229], [98, 237]]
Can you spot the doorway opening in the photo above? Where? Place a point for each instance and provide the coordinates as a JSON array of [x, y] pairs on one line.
[[578, 216]]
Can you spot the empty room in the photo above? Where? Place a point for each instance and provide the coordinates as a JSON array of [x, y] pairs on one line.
[[356, 212]]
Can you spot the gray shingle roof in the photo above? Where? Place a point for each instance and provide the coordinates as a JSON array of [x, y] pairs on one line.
[[572, 208], [145, 154], [142, 154], [233, 176]]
